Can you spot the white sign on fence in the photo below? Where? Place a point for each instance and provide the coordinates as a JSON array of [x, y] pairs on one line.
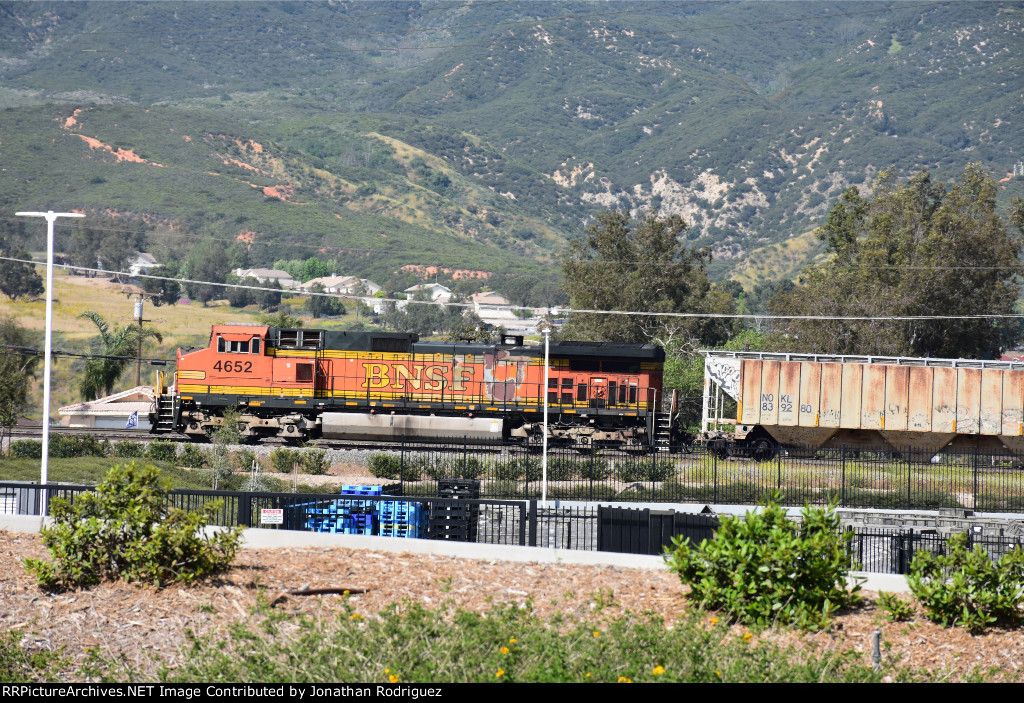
[[271, 516]]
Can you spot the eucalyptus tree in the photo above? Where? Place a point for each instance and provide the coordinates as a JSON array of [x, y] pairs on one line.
[[911, 250]]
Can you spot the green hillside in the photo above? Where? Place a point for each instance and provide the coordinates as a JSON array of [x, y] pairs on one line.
[[485, 135]]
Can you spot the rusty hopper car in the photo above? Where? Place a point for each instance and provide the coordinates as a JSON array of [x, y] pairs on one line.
[[304, 383], [816, 401]]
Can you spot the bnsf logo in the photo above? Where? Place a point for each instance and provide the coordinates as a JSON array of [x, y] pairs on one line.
[[428, 378]]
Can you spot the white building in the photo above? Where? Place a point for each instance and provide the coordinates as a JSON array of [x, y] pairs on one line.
[[268, 275], [113, 411], [436, 292]]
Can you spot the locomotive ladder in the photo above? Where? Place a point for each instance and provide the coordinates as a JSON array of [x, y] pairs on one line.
[[164, 413], [663, 426]]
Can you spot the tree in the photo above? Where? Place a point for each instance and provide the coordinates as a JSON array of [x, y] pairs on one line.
[[910, 250], [640, 266], [17, 371], [319, 305], [163, 290], [112, 350], [19, 280]]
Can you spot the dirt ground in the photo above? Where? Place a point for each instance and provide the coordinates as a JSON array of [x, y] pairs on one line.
[[144, 626]]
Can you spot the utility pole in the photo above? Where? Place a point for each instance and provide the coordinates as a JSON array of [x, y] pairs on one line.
[[50, 216], [139, 299]]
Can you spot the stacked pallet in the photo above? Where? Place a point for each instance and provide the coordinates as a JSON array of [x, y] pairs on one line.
[[455, 518], [346, 516], [402, 518]]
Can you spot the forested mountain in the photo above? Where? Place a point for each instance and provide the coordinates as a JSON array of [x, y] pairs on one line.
[[456, 134]]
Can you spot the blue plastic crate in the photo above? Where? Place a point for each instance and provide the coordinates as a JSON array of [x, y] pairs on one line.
[[360, 490]]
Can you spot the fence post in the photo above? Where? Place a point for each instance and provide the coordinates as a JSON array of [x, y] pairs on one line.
[[714, 475], [591, 489], [533, 524], [908, 484], [975, 492], [465, 451], [245, 509], [778, 460], [401, 465], [842, 475]]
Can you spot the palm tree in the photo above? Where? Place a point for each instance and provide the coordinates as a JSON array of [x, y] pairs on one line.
[[113, 350]]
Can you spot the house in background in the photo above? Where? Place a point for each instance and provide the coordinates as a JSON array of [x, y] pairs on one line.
[[437, 292], [111, 412], [268, 275], [144, 263], [342, 285]]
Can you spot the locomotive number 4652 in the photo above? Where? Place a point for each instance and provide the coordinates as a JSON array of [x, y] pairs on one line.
[[233, 366]]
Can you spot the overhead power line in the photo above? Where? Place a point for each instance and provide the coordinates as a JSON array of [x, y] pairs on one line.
[[561, 311]]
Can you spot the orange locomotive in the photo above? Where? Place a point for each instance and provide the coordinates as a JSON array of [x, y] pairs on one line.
[[301, 384]]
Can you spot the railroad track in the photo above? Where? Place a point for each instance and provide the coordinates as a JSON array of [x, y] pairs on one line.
[[119, 435]]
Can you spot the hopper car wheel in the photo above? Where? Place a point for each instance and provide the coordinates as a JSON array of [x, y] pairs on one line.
[[763, 450]]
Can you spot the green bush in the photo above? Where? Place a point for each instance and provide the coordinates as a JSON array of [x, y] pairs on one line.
[[314, 462], [70, 446], [561, 468], [162, 450], [27, 449], [896, 609], [965, 588], [764, 568], [127, 449], [384, 465], [283, 460], [194, 457], [242, 459], [124, 529]]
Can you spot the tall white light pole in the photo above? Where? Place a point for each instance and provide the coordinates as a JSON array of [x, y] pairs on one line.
[[544, 455], [50, 216]]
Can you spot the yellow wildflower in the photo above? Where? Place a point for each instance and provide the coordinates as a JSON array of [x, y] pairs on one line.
[[747, 637], [503, 650], [511, 640], [658, 670], [623, 679], [499, 674], [714, 621], [596, 633], [393, 678]]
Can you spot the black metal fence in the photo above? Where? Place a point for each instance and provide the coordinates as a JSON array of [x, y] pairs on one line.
[[890, 551], [862, 477], [509, 522]]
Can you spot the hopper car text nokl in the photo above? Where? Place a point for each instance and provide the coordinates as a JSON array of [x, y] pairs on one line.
[[813, 401], [302, 383]]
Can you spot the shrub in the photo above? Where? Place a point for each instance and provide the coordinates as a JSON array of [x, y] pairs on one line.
[[764, 568], [194, 457], [964, 587], [124, 529], [896, 609], [384, 465], [283, 460], [315, 462], [162, 450], [242, 459], [70, 446], [561, 468], [27, 449], [127, 449]]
